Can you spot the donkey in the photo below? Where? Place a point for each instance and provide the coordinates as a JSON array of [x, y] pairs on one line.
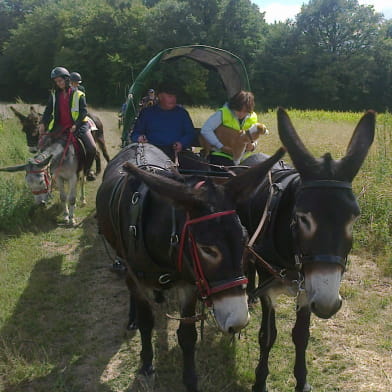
[[141, 213], [59, 162], [30, 128], [301, 224]]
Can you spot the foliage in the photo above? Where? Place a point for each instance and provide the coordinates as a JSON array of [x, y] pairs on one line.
[[335, 55]]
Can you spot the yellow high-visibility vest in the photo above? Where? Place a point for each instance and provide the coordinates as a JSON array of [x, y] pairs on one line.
[[231, 121], [76, 94]]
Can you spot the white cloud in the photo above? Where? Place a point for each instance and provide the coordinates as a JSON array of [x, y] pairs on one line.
[[280, 12], [383, 6]]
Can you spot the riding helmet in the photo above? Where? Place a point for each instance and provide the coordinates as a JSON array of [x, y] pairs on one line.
[[75, 77], [59, 71]]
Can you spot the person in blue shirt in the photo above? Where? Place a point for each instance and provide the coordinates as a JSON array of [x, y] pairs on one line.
[[165, 125]]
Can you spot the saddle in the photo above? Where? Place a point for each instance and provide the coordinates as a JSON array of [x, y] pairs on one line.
[[65, 139]]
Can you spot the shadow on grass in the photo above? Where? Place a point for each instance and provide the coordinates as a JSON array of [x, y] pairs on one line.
[[67, 333], [66, 326]]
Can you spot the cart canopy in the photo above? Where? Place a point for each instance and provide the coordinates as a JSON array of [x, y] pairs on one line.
[[230, 68]]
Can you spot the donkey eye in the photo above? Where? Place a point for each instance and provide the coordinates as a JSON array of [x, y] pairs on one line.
[[306, 223], [209, 251]]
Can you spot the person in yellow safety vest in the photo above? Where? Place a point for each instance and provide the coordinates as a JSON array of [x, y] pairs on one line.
[[66, 109], [238, 114]]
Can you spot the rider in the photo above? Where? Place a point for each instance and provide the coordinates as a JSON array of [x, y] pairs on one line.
[[149, 100], [75, 80], [238, 114], [166, 125], [66, 109]]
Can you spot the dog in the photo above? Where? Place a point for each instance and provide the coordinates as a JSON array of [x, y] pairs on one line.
[[236, 141]]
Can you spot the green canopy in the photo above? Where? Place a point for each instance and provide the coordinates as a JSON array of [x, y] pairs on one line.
[[230, 68]]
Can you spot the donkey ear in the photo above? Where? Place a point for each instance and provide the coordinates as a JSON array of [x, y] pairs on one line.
[[14, 168], [241, 186], [358, 147], [20, 116], [303, 160], [178, 193]]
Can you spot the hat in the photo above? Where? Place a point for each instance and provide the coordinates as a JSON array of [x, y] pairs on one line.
[[151, 90], [168, 88]]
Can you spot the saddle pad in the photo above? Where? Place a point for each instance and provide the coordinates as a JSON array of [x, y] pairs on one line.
[[147, 154], [91, 124]]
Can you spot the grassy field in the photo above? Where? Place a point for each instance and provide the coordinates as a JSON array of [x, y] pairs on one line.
[[63, 313]]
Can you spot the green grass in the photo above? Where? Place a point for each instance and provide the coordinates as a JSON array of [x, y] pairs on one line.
[[63, 314]]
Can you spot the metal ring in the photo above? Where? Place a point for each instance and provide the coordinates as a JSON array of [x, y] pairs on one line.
[[164, 279], [135, 198]]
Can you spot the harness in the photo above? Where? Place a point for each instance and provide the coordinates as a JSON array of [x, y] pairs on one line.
[[143, 266], [302, 259], [287, 271], [205, 288]]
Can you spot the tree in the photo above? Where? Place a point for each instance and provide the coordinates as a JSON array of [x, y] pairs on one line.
[[338, 26]]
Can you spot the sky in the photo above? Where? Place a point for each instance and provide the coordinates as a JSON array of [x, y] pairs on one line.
[[280, 10]]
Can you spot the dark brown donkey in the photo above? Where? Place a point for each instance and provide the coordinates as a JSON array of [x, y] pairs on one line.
[[304, 241], [30, 128], [141, 214]]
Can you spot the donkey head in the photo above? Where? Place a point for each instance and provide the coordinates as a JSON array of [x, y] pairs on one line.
[[37, 177], [216, 239], [324, 211], [29, 126]]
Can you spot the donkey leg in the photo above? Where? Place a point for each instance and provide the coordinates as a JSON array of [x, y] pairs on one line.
[[72, 183], [63, 199], [82, 182], [145, 320], [187, 336], [300, 335], [267, 337], [97, 162], [102, 146], [132, 315]]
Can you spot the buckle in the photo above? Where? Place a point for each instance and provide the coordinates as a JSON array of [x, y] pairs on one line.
[[132, 230]]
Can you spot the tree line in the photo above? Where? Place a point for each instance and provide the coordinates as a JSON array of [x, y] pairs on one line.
[[335, 54]]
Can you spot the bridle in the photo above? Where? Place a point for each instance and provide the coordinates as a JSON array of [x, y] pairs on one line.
[[303, 259], [205, 288], [47, 179], [281, 273]]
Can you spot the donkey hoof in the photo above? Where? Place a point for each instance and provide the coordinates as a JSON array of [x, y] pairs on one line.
[[146, 380], [306, 388], [83, 203], [132, 326], [72, 222], [147, 370], [91, 176]]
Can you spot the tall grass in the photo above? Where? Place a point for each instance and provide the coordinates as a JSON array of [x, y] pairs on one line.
[[15, 198], [375, 197]]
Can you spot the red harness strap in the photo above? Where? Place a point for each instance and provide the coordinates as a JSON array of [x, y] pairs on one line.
[[202, 284]]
